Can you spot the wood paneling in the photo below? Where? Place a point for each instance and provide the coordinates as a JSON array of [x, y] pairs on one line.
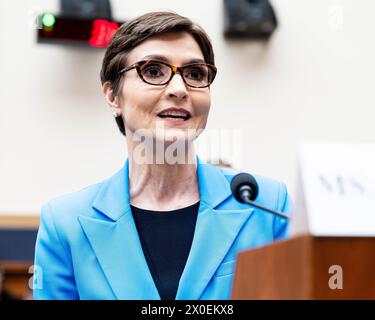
[[298, 268], [16, 279], [19, 221]]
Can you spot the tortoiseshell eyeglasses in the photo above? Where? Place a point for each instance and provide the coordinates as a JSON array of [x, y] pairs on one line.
[[158, 73]]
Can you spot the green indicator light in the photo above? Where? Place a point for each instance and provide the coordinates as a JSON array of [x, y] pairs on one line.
[[48, 20]]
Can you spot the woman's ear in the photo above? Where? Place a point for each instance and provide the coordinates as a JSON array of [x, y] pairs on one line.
[[111, 98]]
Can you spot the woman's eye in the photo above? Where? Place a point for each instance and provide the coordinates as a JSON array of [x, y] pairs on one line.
[[152, 71], [196, 74]]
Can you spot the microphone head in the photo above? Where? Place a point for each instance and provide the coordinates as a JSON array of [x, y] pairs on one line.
[[244, 179]]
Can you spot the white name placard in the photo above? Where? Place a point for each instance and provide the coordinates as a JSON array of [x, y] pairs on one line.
[[336, 189]]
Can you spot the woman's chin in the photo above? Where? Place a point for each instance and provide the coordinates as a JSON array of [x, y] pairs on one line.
[[171, 138], [176, 135]]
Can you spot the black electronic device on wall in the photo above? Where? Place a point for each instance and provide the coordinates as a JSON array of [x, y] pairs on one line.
[[79, 22], [249, 19], [89, 9]]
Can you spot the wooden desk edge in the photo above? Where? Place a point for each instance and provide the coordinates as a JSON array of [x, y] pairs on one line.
[[19, 221]]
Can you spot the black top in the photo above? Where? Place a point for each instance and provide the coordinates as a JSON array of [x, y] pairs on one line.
[[166, 238]]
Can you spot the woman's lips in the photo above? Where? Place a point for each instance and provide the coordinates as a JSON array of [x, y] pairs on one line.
[[174, 116], [174, 120], [175, 113]]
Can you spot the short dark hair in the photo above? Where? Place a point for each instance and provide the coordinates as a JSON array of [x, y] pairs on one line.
[[132, 33]]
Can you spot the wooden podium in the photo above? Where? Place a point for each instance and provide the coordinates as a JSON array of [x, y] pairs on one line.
[[298, 268]]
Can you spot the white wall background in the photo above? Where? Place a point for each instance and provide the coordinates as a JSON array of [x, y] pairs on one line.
[[313, 80]]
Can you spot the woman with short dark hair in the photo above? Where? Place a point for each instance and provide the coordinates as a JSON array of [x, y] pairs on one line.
[[166, 226]]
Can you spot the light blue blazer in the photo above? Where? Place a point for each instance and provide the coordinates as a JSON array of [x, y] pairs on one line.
[[88, 246]]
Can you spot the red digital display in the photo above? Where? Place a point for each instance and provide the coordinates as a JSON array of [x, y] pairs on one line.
[[95, 33], [102, 33]]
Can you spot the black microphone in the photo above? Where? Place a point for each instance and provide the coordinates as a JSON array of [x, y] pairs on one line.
[[245, 189]]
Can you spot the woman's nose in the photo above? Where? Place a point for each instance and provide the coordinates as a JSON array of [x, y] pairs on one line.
[[176, 88]]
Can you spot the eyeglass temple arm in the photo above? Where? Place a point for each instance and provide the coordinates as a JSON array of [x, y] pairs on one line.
[[133, 66]]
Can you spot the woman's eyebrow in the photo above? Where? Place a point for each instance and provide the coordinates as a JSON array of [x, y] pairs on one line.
[[163, 58]]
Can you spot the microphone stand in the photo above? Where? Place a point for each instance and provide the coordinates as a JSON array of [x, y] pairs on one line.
[[246, 193]]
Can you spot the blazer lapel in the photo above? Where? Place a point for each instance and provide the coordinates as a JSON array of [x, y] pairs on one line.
[[116, 242], [214, 234]]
